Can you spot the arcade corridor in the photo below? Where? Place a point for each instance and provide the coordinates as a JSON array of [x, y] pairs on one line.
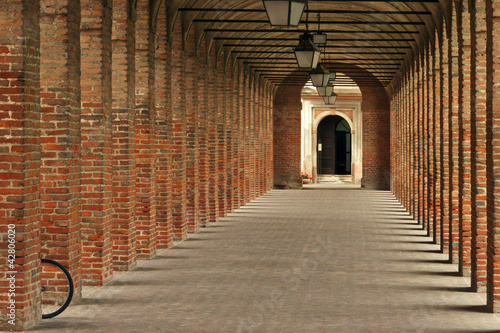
[[151, 139], [291, 261]]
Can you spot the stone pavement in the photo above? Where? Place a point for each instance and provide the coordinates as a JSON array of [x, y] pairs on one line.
[[291, 261]]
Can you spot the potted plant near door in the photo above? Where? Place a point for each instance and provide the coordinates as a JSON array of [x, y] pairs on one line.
[[306, 179]]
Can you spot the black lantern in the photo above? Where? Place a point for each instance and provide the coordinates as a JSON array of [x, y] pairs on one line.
[[320, 76], [284, 13], [330, 100], [306, 53], [326, 91], [319, 38]]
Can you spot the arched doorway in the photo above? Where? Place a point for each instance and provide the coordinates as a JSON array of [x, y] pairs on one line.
[[334, 146]]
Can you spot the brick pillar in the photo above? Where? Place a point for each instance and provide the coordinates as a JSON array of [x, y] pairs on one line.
[[96, 129], [493, 156], [455, 139], [478, 138], [252, 136], [178, 143], [269, 139], [123, 90], [425, 144], [246, 135], [145, 140], [221, 134], [438, 142], [192, 149], [60, 135], [163, 104], [465, 169], [431, 185], [20, 159], [203, 138], [414, 113], [213, 140], [236, 136], [445, 141], [419, 151], [260, 166], [241, 135], [230, 107], [286, 137], [405, 140]]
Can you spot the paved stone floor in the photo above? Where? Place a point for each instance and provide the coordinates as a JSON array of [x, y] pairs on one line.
[[291, 261]]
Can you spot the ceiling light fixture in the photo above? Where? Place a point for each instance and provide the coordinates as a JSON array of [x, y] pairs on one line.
[[320, 76], [284, 13], [306, 53], [330, 100], [326, 91]]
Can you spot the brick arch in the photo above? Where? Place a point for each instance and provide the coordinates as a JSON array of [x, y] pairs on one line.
[[375, 108]]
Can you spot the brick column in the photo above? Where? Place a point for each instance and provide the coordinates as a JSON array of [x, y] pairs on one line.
[[493, 155], [478, 138], [438, 142], [455, 139], [178, 143], [96, 127], [229, 107], [192, 149], [221, 134], [425, 143], [246, 134], [406, 142], [20, 158], [236, 136], [465, 169], [60, 135], [203, 138], [123, 90], [431, 157], [419, 148], [213, 140], [286, 137], [241, 134], [445, 141], [145, 140], [412, 116], [163, 108], [252, 136]]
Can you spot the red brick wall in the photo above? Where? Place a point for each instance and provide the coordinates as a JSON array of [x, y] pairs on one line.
[[96, 138], [60, 134], [286, 137], [478, 158], [123, 90], [20, 158], [163, 131], [178, 142], [376, 138], [460, 209]]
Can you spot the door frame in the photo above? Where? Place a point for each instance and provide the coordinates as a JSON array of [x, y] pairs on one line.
[[310, 141]]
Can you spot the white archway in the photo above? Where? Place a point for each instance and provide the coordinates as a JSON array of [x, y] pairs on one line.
[[313, 112]]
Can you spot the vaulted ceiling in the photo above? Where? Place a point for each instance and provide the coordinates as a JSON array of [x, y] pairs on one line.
[[370, 42]]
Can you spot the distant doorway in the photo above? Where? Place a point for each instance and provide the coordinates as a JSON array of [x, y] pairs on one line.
[[334, 146]]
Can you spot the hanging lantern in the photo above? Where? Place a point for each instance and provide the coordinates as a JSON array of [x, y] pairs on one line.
[[320, 76], [319, 38], [284, 13], [325, 91], [330, 100], [306, 53]]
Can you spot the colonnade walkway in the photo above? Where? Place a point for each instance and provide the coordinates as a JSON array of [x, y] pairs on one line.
[[291, 261]]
